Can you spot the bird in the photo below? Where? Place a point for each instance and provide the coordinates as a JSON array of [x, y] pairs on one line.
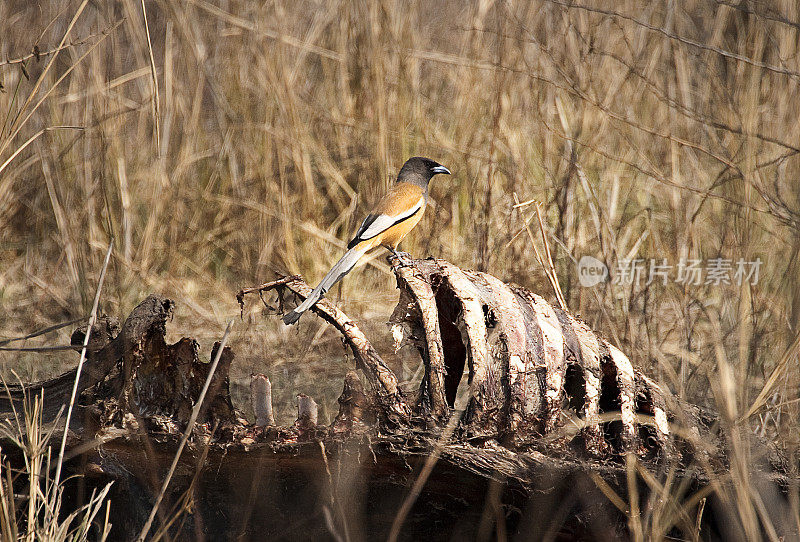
[[391, 219]]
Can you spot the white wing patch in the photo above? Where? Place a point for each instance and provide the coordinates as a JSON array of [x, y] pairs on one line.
[[384, 222]]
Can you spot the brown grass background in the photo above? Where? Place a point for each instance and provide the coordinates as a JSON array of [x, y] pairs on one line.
[[227, 140]]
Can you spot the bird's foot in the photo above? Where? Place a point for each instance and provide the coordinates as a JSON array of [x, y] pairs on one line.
[[404, 259]]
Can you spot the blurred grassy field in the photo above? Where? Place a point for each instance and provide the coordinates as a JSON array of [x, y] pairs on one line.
[[226, 140]]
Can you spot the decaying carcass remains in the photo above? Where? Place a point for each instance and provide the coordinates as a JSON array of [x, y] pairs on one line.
[[534, 371], [525, 423]]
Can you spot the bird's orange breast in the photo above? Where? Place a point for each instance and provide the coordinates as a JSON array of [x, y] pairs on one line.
[[402, 198], [392, 236]]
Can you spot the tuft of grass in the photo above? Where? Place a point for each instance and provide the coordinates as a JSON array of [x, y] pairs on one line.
[[31, 499]]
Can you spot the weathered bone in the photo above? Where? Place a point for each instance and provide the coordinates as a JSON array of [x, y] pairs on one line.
[[306, 410], [413, 281], [590, 359], [627, 395], [381, 378], [521, 379], [519, 349], [261, 400], [355, 411], [485, 376]]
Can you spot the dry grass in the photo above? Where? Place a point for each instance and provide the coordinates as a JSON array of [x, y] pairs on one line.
[[224, 140], [32, 502]]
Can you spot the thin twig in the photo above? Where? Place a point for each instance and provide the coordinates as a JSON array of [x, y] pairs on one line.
[[57, 348], [156, 101], [263, 288], [186, 434], [698, 523], [17, 125], [268, 285], [40, 54], [32, 139], [551, 267], [92, 318], [771, 382], [681, 39], [42, 331]]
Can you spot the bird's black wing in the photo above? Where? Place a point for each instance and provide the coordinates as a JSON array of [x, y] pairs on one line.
[[361, 229]]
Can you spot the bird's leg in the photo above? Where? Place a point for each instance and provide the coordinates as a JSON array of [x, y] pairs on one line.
[[403, 257]]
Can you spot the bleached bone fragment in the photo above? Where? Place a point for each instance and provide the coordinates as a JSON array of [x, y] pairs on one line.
[[521, 371], [590, 360], [420, 289], [553, 360], [486, 384], [306, 410], [627, 396], [261, 400]]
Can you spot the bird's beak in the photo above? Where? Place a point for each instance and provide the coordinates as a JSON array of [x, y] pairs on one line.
[[440, 169]]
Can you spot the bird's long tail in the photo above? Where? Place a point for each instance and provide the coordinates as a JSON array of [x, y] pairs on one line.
[[342, 267]]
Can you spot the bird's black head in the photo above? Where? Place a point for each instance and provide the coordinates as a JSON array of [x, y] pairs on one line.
[[419, 171]]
